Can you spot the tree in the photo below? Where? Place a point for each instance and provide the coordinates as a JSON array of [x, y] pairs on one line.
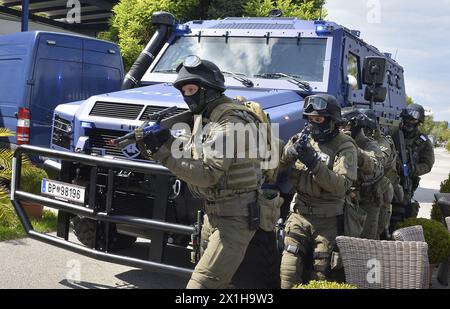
[[409, 100], [130, 25], [304, 9], [439, 129], [427, 126], [219, 9]]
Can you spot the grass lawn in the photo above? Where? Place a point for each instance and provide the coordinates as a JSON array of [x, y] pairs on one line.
[[11, 228]]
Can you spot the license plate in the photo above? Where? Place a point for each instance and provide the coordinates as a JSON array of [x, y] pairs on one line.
[[63, 191]]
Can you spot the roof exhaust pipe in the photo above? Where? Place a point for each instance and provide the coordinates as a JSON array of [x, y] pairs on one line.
[[164, 22]]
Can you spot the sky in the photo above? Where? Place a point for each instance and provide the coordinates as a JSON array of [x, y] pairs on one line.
[[416, 32]]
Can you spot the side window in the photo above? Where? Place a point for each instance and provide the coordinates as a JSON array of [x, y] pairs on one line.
[[353, 75]]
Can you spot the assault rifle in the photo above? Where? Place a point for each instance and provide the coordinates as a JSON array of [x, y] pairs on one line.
[[130, 138]]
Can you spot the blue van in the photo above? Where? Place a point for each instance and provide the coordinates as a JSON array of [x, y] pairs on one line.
[[40, 70]]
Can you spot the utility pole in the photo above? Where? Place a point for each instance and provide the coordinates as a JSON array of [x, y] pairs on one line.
[[25, 15]]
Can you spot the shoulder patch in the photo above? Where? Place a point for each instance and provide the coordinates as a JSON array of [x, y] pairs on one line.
[[349, 159]]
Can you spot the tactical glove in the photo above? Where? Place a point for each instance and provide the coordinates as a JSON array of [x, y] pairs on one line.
[[154, 140], [308, 156], [291, 153]]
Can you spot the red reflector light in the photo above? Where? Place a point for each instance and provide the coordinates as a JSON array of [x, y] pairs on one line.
[[23, 126]]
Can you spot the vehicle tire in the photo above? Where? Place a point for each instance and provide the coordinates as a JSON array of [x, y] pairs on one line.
[[84, 230], [261, 266]]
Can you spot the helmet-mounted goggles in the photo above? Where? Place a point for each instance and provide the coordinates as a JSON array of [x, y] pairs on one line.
[[195, 63], [413, 114], [190, 61], [313, 103]]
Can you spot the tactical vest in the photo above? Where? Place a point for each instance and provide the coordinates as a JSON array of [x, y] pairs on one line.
[[310, 198], [416, 143], [244, 174], [257, 113], [390, 169], [418, 150]]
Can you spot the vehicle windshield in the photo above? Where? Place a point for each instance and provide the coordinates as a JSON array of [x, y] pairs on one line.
[[304, 58]]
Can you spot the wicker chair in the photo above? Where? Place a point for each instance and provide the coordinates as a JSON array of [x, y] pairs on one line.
[[380, 264], [410, 233]]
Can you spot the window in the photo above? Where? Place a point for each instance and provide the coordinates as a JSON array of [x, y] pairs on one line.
[[353, 71], [304, 58]]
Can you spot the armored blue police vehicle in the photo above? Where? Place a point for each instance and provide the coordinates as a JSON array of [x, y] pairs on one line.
[[110, 196]]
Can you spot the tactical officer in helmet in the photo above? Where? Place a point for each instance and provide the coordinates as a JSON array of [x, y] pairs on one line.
[[366, 190], [419, 154], [388, 162], [228, 185], [324, 167]]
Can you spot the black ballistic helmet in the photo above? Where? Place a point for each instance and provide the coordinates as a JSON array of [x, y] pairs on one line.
[[414, 111], [322, 105], [349, 114], [359, 119], [194, 70], [371, 121]]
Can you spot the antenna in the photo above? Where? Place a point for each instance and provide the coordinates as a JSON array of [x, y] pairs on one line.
[[395, 57]]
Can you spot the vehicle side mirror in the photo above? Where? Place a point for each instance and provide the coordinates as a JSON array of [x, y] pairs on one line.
[[377, 94], [374, 70]]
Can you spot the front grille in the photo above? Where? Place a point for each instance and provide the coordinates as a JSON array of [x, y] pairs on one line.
[[99, 139], [153, 109], [116, 110], [62, 132]]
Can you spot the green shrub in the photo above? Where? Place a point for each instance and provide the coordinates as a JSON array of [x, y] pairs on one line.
[[435, 213], [435, 210], [31, 179], [10, 226], [7, 214], [448, 146], [436, 236], [445, 185], [322, 285]]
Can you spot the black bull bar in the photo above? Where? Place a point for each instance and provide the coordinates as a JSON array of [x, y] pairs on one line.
[[160, 203]]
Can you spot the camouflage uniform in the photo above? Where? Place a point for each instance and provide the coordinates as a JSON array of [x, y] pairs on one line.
[[228, 186], [317, 208], [420, 159], [226, 179], [369, 183], [366, 191], [420, 149], [389, 180], [387, 160]]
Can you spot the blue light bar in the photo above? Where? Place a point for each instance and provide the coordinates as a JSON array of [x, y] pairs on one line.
[[356, 33], [324, 29], [181, 28], [87, 125]]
